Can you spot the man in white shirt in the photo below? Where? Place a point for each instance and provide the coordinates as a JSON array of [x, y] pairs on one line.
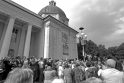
[[110, 74]]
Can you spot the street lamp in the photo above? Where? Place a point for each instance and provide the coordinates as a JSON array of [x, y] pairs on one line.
[[82, 37]]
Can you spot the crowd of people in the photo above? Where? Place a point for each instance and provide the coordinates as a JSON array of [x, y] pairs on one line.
[[32, 70]]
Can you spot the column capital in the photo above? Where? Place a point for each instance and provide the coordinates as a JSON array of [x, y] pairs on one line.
[[12, 17], [29, 24], [47, 24]]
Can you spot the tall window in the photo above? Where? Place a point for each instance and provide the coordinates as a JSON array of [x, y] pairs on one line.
[[14, 35]]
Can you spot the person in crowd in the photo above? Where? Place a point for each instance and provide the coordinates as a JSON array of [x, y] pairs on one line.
[[101, 67], [54, 65], [67, 74], [20, 75], [78, 74], [57, 80], [60, 70], [49, 62], [6, 69], [35, 68], [123, 64], [49, 74], [72, 65], [25, 64], [42, 67], [65, 71], [90, 70], [82, 66], [1, 70], [119, 66], [110, 74]]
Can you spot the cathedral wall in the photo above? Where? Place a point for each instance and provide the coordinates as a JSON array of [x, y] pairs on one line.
[[73, 46], [55, 48], [34, 44], [37, 42], [51, 43], [41, 37], [63, 42]]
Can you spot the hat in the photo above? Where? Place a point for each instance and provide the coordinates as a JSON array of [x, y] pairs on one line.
[[111, 63]]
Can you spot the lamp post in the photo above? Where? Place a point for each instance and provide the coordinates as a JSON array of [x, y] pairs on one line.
[[82, 38]]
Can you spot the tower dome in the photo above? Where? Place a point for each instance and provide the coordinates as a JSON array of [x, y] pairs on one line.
[[54, 11]]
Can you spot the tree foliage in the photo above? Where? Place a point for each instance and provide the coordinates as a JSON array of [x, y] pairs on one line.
[[91, 48], [101, 51]]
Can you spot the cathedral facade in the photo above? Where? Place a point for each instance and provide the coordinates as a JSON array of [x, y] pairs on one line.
[[46, 34]]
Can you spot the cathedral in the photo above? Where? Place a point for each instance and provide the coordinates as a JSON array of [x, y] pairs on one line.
[[25, 33]]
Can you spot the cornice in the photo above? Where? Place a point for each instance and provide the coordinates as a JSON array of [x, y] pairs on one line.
[[22, 8], [59, 23]]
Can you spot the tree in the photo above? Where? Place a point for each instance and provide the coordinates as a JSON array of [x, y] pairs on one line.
[[120, 51], [117, 51], [112, 51], [102, 51], [91, 48]]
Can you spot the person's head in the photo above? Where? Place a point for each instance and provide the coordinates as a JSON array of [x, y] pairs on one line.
[[119, 66], [77, 65], [20, 75], [88, 64], [111, 63], [49, 68], [25, 64], [66, 65], [41, 58]]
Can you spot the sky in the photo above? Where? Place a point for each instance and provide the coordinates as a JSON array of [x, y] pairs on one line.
[[103, 20]]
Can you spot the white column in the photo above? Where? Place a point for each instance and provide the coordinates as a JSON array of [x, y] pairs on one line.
[[27, 41], [3, 34], [7, 38], [22, 42], [46, 43]]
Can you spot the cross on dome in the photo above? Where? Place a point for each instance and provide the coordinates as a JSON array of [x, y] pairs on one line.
[[52, 3]]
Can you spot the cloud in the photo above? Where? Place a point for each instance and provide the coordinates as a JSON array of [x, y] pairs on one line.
[[103, 20]]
